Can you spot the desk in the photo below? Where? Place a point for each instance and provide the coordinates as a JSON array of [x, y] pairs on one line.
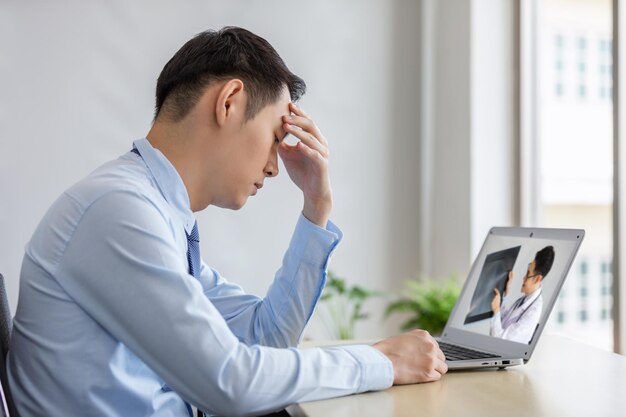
[[564, 378]]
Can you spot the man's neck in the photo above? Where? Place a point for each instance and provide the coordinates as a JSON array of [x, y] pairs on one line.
[[533, 293], [177, 147]]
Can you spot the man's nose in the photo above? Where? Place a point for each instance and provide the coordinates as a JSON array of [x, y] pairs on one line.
[[271, 169]]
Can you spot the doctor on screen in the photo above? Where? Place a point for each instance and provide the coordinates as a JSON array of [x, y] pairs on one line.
[[517, 322]]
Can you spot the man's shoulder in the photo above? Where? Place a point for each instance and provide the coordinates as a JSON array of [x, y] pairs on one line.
[[122, 175], [124, 182], [117, 188]]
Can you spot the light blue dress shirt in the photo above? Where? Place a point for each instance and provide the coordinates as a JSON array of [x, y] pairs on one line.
[[110, 323]]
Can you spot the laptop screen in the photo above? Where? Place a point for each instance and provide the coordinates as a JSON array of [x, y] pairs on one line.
[[514, 283]]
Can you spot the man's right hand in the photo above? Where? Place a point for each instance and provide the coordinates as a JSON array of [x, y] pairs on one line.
[[415, 356]]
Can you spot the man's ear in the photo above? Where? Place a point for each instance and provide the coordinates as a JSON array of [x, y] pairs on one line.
[[231, 101]]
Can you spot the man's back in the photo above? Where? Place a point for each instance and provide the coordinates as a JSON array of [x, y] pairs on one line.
[[58, 352]]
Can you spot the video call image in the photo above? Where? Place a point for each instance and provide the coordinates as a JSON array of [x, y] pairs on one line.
[[510, 290]]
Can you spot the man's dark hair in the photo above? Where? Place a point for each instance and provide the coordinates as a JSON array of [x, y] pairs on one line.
[[544, 260], [231, 52]]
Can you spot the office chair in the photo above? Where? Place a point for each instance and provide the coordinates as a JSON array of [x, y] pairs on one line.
[[7, 408]]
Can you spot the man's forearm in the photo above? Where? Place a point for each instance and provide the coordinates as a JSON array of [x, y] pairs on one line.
[[317, 212], [279, 319]]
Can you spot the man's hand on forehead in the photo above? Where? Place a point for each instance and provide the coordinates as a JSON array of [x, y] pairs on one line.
[[307, 164]]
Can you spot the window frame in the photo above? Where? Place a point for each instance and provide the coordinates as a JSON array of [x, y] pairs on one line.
[[619, 177]]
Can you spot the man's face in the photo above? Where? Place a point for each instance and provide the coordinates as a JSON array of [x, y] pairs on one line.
[[251, 154], [531, 280]]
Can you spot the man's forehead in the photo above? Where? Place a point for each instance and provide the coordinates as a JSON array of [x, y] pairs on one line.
[[274, 112], [282, 105]]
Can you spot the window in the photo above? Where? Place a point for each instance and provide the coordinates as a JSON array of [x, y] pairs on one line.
[[574, 155], [559, 65], [606, 292], [605, 62], [582, 67]]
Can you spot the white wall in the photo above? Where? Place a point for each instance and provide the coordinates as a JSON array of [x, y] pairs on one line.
[[77, 82], [451, 150], [414, 96], [470, 159]]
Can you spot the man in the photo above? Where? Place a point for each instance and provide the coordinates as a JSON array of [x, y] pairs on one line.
[[519, 321], [118, 315]]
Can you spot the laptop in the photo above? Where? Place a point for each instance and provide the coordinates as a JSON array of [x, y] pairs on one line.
[[486, 331]]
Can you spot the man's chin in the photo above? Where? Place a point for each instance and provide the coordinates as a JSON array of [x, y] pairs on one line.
[[236, 205], [232, 204]]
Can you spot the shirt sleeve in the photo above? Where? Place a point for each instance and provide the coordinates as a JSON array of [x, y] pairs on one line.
[[279, 319], [124, 269], [495, 328]]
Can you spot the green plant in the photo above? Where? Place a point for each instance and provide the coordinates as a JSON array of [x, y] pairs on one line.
[[344, 306], [429, 301]]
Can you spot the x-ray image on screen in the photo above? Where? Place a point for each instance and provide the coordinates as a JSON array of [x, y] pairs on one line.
[[494, 274]]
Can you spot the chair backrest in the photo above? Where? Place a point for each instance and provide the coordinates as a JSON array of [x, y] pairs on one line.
[[6, 326], [6, 323]]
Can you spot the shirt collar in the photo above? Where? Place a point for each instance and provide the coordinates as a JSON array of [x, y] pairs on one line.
[[168, 180]]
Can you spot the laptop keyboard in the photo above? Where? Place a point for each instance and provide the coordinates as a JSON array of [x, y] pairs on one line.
[[460, 353]]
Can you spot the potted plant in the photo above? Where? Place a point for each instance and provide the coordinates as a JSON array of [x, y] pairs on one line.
[[430, 303], [343, 306]]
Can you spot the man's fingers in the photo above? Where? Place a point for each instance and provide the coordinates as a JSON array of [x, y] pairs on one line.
[[307, 151], [307, 139], [442, 367], [434, 374], [297, 110], [305, 122], [440, 354], [291, 151]]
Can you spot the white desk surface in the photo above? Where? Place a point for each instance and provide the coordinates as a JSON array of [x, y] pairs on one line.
[[564, 378]]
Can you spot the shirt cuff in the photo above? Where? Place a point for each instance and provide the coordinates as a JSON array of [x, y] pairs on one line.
[[316, 243], [376, 368]]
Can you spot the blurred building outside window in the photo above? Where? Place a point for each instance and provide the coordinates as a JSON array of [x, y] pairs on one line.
[[575, 149]]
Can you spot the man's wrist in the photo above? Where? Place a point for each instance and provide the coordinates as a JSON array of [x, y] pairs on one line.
[[317, 212]]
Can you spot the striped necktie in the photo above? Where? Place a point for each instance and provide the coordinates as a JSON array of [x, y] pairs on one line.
[[193, 250], [193, 258]]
